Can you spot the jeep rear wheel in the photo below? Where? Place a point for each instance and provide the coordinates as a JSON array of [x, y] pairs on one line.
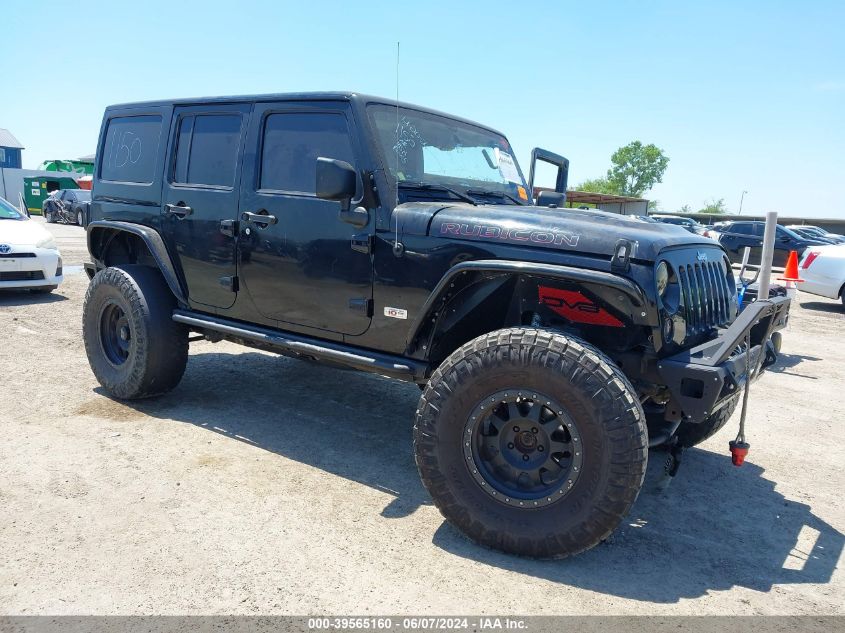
[[134, 347], [531, 442]]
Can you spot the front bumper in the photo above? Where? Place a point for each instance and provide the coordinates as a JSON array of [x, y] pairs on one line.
[[705, 378], [30, 267]]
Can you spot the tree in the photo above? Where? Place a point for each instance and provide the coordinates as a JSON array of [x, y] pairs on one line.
[[714, 207], [685, 209], [598, 185], [636, 168]]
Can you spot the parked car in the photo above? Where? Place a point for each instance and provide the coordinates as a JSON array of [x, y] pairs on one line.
[[711, 231], [688, 223], [735, 235], [29, 257], [401, 241], [823, 270], [68, 206], [815, 232]]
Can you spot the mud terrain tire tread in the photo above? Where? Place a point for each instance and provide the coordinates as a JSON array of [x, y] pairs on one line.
[[159, 351], [605, 405]]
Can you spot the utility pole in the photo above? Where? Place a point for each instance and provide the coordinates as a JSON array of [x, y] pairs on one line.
[[741, 198]]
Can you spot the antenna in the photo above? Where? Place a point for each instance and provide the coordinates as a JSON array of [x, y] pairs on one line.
[[396, 147], [396, 152]]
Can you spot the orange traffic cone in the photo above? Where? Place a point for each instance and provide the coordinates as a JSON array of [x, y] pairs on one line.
[[791, 272], [790, 275]]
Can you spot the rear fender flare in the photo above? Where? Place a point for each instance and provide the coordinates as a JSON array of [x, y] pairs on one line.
[[101, 232]]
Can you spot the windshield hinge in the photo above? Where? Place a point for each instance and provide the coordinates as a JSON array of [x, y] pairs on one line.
[[362, 243], [228, 227], [362, 305], [229, 282]]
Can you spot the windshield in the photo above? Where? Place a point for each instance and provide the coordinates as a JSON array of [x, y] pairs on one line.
[[8, 212], [419, 147], [783, 231]]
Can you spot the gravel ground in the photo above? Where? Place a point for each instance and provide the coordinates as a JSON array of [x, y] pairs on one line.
[[266, 485]]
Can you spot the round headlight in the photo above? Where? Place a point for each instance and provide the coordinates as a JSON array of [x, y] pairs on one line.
[[662, 278]]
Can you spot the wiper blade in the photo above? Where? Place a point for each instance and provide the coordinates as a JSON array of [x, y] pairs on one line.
[[427, 186], [495, 194]]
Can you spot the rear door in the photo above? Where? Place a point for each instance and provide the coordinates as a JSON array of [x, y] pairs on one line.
[[201, 194], [737, 237], [303, 265]]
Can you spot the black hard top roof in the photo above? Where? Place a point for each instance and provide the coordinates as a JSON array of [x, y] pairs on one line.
[[294, 96]]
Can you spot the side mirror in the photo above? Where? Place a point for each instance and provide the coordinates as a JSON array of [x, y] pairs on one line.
[[556, 160], [551, 199], [337, 180]]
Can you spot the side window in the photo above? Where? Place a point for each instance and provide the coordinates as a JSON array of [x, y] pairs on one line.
[[292, 143], [130, 149], [207, 150], [739, 228]]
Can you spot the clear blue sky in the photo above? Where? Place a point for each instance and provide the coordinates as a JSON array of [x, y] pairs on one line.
[[746, 95]]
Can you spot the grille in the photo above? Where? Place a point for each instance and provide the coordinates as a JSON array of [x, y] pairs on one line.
[[16, 255], [21, 275], [707, 296]]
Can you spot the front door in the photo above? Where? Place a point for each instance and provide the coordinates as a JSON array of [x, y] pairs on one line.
[[201, 199], [299, 263]]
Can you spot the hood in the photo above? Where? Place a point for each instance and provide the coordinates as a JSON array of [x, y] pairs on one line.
[[21, 232], [577, 230]]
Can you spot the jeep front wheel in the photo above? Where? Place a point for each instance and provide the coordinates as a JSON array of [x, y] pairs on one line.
[[134, 347], [531, 442]]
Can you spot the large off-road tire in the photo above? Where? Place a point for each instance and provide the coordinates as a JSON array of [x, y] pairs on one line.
[[481, 423], [690, 435], [134, 347]]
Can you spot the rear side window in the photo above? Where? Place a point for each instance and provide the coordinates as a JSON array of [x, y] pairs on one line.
[[131, 148], [743, 229], [207, 150], [292, 143]]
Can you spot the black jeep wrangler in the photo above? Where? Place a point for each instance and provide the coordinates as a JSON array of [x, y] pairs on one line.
[[553, 346]]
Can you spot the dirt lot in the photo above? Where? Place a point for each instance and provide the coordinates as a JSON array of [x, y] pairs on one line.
[[267, 485]]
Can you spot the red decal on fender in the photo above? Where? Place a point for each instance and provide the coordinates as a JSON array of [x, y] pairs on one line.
[[574, 306]]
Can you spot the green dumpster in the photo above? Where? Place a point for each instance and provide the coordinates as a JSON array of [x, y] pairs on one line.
[[37, 188]]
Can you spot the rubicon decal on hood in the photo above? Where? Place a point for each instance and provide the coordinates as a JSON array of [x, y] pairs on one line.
[[515, 234]]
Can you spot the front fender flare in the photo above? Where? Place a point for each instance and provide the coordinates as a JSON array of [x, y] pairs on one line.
[[625, 294], [153, 241]]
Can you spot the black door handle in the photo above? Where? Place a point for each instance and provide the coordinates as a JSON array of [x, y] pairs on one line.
[[179, 210], [263, 220]]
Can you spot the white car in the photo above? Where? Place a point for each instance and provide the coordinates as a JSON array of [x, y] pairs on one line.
[[823, 270], [29, 257]]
